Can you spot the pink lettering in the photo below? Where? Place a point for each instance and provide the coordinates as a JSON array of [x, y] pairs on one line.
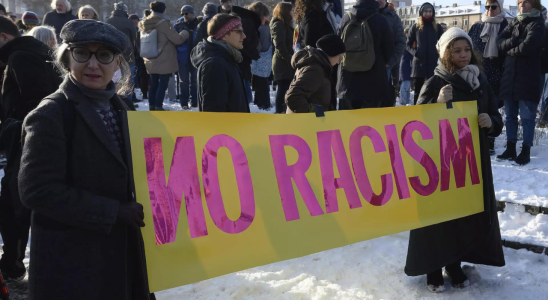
[[397, 163]]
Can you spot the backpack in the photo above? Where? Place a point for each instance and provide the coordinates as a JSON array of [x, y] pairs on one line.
[[360, 48], [149, 43]]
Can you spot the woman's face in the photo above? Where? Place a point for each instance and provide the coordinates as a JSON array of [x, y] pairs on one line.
[[525, 6], [427, 13], [492, 9], [461, 53], [93, 72], [86, 15]]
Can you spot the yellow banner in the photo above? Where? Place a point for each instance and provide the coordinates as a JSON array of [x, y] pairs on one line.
[[225, 192]]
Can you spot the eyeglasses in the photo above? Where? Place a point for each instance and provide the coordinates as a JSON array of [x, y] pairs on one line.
[[491, 7], [239, 31], [82, 55]]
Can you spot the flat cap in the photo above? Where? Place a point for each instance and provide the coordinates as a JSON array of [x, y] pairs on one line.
[[90, 31]]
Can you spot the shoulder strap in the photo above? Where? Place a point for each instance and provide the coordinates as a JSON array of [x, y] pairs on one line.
[[68, 111], [367, 19]]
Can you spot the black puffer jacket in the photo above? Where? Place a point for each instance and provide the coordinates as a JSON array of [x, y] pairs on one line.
[[422, 44], [251, 23], [221, 86], [522, 42], [312, 82], [361, 89]]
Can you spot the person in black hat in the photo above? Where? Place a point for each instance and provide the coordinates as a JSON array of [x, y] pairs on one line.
[[75, 176], [312, 82]]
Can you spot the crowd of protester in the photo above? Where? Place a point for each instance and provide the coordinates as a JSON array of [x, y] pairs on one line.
[[68, 172]]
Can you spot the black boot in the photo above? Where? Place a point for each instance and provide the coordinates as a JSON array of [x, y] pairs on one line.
[[458, 278], [491, 147], [524, 157], [434, 282], [510, 153]]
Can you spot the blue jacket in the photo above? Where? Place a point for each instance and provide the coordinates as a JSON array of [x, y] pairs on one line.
[[183, 51], [406, 66]]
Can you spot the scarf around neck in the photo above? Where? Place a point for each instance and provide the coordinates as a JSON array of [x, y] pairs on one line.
[[100, 99], [235, 53], [489, 34], [535, 13], [470, 74]]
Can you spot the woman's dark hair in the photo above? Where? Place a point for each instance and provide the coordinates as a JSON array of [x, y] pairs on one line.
[[218, 21], [157, 6], [260, 9], [446, 58], [302, 6], [146, 12], [535, 3], [282, 12]]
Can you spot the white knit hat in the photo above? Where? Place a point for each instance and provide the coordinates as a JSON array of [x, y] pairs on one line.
[[450, 35]]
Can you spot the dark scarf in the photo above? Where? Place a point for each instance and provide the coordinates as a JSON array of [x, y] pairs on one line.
[[100, 99]]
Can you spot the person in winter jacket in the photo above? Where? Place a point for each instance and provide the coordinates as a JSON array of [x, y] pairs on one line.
[[312, 82], [421, 42], [187, 73], [262, 68], [522, 41], [220, 79], [251, 23], [313, 21], [544, 75], [76, 176], [60, 15], [87, 12], [162, 67], [120, 20], [484, 36], [21, 92], [225, 8], [476, 238], [282, 35], [30, 20], [405, 76], [367, 89], [208, 11], [399, 39]]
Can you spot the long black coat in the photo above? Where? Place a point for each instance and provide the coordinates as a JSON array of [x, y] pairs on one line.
[[221, 86], [522, 42], [422, 44], [313, 26], [367, 89], [74, 181], [282, 35], [475, 239]]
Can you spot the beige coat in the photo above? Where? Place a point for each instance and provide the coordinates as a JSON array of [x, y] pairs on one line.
[[168, 40]]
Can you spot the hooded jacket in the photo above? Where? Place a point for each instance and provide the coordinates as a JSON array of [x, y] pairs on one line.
[[422, 44], [398, 36], [282, 35], [476, 238], [522, 42], [221, 86], [312, 82], [168, 39], [120, 21], [250, 23], [367, 89], [57, 21]]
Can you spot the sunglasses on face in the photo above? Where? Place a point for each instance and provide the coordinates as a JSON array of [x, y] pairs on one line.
[[82, 55], [491, 7]]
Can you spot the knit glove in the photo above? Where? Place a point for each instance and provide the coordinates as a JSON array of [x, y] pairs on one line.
[[131, 213], [446, 94], [484, 121]]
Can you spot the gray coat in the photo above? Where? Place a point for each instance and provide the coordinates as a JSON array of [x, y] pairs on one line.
[[74, 178], [398, 35], [119, 19]]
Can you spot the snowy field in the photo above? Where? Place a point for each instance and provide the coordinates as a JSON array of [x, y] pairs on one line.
[[374, 269]]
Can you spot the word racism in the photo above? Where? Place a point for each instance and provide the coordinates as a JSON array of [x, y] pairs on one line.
[[184, 179]]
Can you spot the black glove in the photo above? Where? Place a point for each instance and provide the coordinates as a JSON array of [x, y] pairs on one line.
[[131, 213]]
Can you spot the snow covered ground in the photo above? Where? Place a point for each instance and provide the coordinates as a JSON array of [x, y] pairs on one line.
[[374, 269]]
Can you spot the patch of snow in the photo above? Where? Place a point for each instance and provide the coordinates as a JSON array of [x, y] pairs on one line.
[[518, 226]]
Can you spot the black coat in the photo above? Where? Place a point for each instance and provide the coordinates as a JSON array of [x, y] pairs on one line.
[[544, 54], [422, 44], [201, 30], [57, 21], [221, 86], [282, 35], [120, 21], [522, 42], [360, 89], [476, 238], [492, 67], [73, 177], [313, 26], [250, 23]]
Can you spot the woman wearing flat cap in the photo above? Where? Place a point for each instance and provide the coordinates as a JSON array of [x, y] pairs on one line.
[[76, 177]]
